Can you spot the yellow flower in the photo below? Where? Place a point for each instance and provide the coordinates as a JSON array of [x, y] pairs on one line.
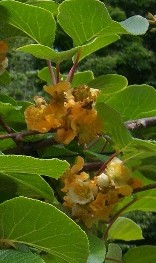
[[58, 91], [73, 175], [85, 123], [80, 192], [40, 117], [118, 173]]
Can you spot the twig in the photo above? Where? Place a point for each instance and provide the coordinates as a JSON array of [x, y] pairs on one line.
[[5, 126], [103, 167], [30, 148], [141, 123], [9, 130], [52, 75], [93, 166], [18, 134], [57, 73]]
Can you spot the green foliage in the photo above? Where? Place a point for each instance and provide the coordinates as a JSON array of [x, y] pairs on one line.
[[38, 222], [48, 231], [141, 254]]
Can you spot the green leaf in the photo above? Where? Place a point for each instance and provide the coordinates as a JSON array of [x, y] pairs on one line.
[[57, 151], [44, 227], [36, 22], [25, 184], [7, 99], [141, 254], [132, 102], [139, 149], [7, 143], [46, 4], [114, 254], [53, 259], [125, 229], [28, 165], [97, 43], [5, 79], [80, 19], [108, 85], [148, 168], [136, 25], [97, 250], [145, 204], [11, 114], [10, 33], [114, 126], [12, 256], [80, 78], [44, 52]]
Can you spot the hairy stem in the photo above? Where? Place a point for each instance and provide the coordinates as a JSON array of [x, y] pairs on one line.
[[74, 67], [103, 167], [58, 73], [52, 75]]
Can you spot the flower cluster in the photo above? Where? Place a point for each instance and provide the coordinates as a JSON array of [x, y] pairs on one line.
[[94, 199], [70, 112], [3, 58]]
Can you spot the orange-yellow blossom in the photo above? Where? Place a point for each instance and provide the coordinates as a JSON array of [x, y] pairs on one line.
[[70, 112], [94, 199], [41, 117]]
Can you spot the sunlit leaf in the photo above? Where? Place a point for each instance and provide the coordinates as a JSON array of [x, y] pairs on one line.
[[136, 25], [108, 85], [45, 52], [125, 229], [80, 20], [96, 44], [37, 23], [136, 101], [23, 164], [44, 227], [46, 4], [114, 126]]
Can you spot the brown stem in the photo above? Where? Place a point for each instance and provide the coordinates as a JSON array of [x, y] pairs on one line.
[[93, 166], [58, 73], [9, 130], [114, 217], [74, 67], [52, 75], [18, 135], [30, 148], [5, 126], [103, 167], [141, 123]]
